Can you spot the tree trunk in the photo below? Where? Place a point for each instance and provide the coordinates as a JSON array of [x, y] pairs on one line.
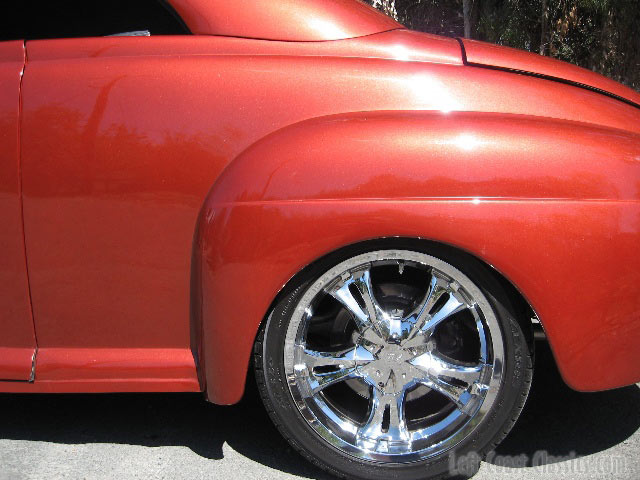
[[544, 20], [466, 13]]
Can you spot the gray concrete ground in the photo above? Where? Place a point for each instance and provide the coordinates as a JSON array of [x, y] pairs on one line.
[[174, 436]]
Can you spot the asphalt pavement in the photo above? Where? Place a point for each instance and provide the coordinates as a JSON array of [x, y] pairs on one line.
[[561, 434]]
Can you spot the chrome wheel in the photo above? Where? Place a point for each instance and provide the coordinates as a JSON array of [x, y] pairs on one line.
[[393, 356]]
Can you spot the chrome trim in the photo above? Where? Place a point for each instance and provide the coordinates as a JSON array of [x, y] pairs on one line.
[[137, 33]]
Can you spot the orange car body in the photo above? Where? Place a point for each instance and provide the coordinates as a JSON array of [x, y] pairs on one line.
[[159, 192]]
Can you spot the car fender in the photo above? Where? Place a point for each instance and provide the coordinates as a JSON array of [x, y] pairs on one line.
[[553, 205]]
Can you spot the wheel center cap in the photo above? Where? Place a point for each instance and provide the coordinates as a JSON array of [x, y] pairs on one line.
[[390, 372], [393, 354]]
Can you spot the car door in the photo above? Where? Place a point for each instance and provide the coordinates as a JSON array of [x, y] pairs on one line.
[[17, 339], [104, 270]]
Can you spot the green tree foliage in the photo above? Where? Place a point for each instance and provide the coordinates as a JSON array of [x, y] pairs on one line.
[[601, 35]]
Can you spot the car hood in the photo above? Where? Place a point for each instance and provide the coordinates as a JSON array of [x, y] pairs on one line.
[[504, 58]]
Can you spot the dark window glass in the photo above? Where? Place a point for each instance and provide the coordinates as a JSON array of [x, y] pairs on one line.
[[38, 19]]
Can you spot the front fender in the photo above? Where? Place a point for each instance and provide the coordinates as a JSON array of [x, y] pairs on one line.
[[553, 205]]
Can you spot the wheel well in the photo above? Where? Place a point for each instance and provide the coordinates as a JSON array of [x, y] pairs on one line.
[[522, 309]]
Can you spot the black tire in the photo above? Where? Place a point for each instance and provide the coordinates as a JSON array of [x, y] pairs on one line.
[[464, 458]]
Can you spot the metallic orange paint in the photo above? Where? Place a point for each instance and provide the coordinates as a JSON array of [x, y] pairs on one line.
[[290, 20], [98, 370], [169, 181], [481, 53], [510, 189], [17, 340]]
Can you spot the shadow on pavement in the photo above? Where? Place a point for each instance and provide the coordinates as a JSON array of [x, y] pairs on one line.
[[556, 419], [153, 420], [558, 423]]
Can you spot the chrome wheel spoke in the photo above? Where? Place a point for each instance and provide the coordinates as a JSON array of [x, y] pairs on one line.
[[366, 318], [397, 421], [456, 381], [453, 305], [425, 322], [362, 281], [350, 357], [345, 363], [323, 380], [462, 373], [345, 297], [455, 393], [374, 429], [437, 287]]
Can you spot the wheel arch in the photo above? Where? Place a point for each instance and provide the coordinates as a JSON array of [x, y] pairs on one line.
[[515, 182], [522, 309]]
